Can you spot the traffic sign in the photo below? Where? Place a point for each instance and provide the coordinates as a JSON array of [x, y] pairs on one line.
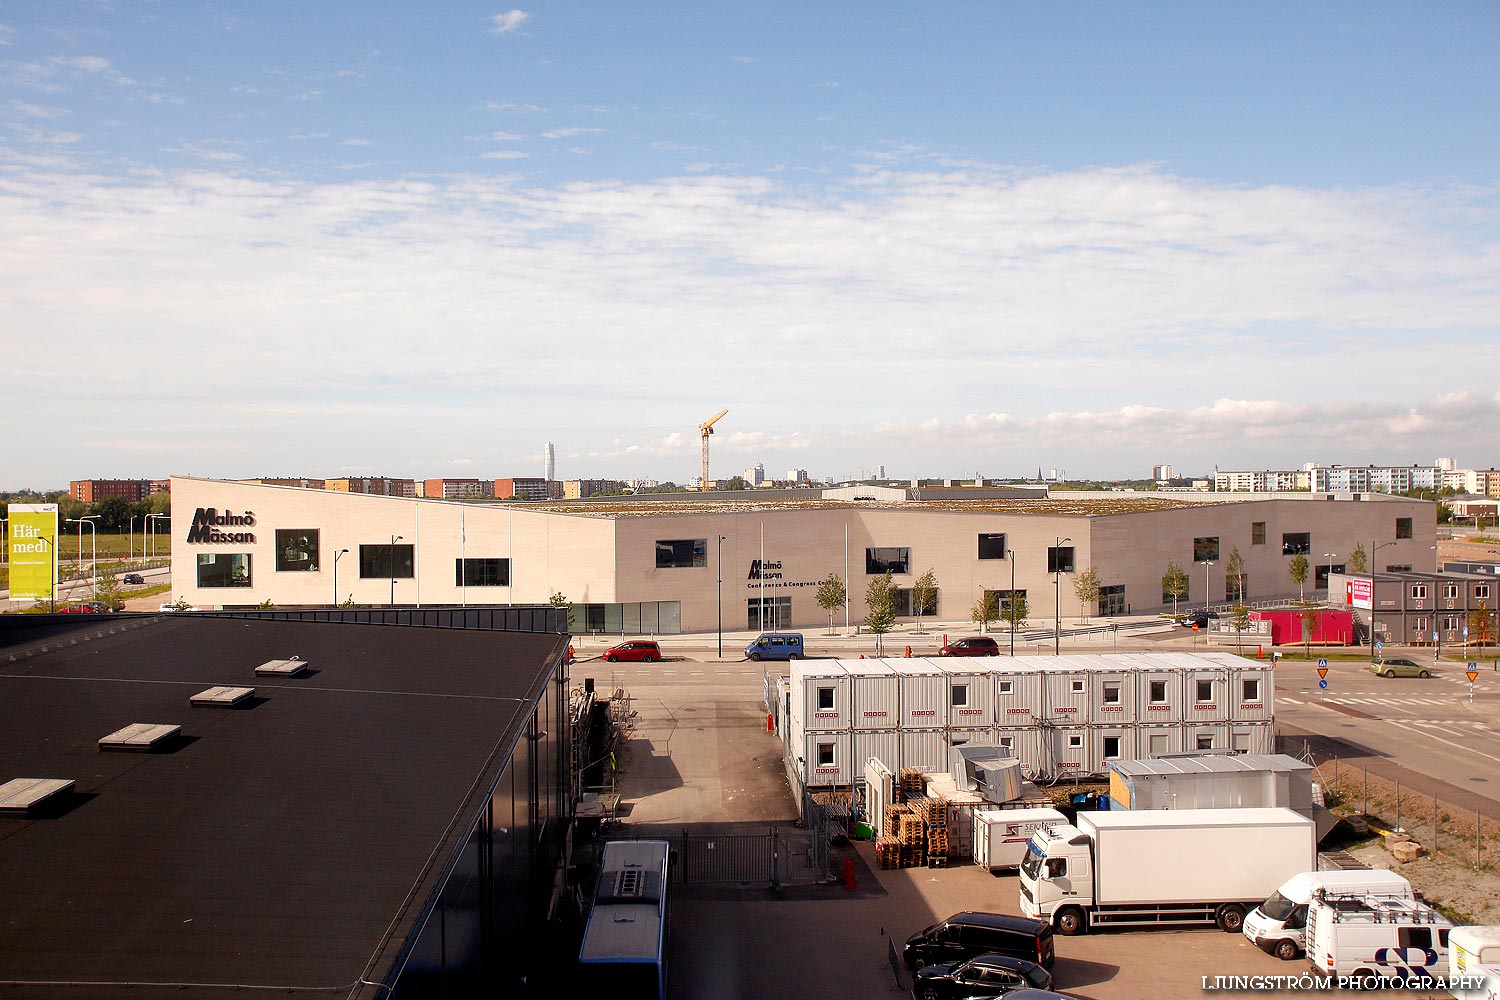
[[1473, 676], [1472, 665], [1322, 684], [1322, 661], [1323, 675], [1379, 646]]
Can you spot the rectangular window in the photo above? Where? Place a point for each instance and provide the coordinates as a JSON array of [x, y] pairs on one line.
[[1060, 560], [1007, 687], [1257, 533], [1415, 937], [960, 695], [481, 572], [1450, 591], [825, 699], [1111, 694], [1403, 527], [888, 559], [1205, 691], [383, 561], [223, 569], [992, 546], [1451, 623], [1112, 600], [1111, 747], [1482, 591], [1205, 741], [776, 613], [1398, 567], [1419, 625], [1419, 591], [1206, 549], [1008, 744], [1077, 687], [681, 553], [1158, 692], [906, 605], [1075, 742], [296, 550], [825, 754], [1250, 689], [1295, 543]]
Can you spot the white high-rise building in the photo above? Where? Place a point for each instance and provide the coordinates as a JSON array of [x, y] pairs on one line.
[[755, 475], [1161, 472], [549, 463]]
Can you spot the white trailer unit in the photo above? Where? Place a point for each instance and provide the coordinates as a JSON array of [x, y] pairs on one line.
[[925, 748], [1067, 751], [826, 758], [1171, 868], [820, 695], [1001, 835], [875, 693], [924, 694], [1161, 691], [1474, 952], [1018, 695], [971, 694], [1251, 737], [882, 744]]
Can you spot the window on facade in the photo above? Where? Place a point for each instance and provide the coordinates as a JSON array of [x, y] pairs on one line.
[[1450, 590], [1403, 527], [1419, 591], [481, 572], [1205, 741], [1205, 690], [1482, 591], [1206, 549], [1007, 743], [296, 550], [1398, 567], [1451, 623], [1112, 600], [959, 695], [825, 699], [382, 561], [992, 546], [223, 569], [906, 606], [1296, 543], [1007, 687], [1077, 687], [1250, 689], [825, 754], [1257, 533], [681, 553], [1158, 692], [1111, 694], [888, 559], [1111, 747], [1060, 560], [1236, 587], [1075, 742]]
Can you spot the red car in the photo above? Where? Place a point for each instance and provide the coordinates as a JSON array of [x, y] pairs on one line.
[[981, 645], [644, 650]]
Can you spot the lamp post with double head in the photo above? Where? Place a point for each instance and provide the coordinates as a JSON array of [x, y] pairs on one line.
[[1374, 548], [394, 540], [88, 519], [1057, 562], [151, 530], [719, 593], [336, 556], [1010, 604], [1330, 557]]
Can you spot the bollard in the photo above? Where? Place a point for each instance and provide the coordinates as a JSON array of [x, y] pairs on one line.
[[849, 880], [908, 652], [770, 723], [1260, 652]]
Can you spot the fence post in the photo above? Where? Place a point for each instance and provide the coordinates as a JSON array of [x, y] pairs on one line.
[[1434, 824], [1476, 840], [771, 843], [1397, 827], [1366, 810]]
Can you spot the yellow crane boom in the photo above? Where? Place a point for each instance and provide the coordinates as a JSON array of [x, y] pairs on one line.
[[707, 428]]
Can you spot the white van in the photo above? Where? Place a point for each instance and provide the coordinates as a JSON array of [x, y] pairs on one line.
[[1001, 835], [1376, 936], [1475, 951], [1277, 925]]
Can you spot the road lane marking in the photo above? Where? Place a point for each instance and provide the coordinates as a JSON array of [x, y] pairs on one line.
[[1456, 746]]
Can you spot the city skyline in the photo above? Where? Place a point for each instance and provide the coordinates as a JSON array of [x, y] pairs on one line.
[[980, 236]]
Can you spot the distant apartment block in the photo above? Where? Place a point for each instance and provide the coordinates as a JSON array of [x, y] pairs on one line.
[[458, 489], [755, 475], [1360, 479], [1161, 472], [527, 489], [578, 489], [382, 486], [94, 490], [306, 484], [549, 463]]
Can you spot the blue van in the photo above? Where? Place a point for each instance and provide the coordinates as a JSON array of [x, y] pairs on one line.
[[776, 646]]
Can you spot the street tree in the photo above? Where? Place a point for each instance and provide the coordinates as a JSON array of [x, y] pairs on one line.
[[880, 604], [1086, 589], [110, 592], [1358, 561], [924, 595], [985, 610], [831, 596], [1014, 611], [1239, 620], [1309, 618], [1234, 575], [1297, 569], [1482, 625], [1174, 583]]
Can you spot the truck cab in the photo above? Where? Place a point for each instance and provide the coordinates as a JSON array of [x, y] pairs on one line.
[[1057, 878]]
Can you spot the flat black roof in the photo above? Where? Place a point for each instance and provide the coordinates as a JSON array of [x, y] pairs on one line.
[[291, 844]]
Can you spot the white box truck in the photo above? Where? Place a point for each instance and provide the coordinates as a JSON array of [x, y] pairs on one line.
[[1279, 924], [1171, 867], [1474, 953], [1001, 835]]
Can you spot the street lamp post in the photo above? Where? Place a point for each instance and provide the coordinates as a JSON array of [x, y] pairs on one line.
[[131, 556], [719, 594], [1206, 563], [336, 556], [1056, 597], [151, 531], [394, 540], [1373, 602], [1011, 603], [4, 548], [88, 519], [1330, 556]]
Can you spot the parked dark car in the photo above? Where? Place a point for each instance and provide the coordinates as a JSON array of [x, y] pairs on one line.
[[133, 578], [974, 646], [1198, 618], [981, 976], [643, 650], [965, 935]]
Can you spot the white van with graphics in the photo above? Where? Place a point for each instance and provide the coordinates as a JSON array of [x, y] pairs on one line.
[[1278, 925], [1371, 936]]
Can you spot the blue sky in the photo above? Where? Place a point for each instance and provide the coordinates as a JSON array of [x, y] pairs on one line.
[[309, 239]]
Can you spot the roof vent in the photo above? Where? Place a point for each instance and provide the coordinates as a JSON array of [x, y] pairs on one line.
[[21, 795], [140, 737], [282, 668], [222, 697]]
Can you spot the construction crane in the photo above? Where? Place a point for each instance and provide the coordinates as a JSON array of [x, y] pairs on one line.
[[707, 428]]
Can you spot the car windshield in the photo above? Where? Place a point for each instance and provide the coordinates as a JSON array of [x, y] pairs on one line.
[[1278, 907], [1031, 865]]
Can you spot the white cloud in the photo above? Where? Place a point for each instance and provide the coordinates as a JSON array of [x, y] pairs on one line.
[[568, 133], [88, 64], [7, 35], [30, 134], [498, 137], [244, 88], [36, 110], [356, 142], [509, 108], [501, 24], [743, 59], [504, 154]]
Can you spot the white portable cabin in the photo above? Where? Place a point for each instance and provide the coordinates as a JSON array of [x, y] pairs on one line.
[[924, 694], [1206, 686], [875, 692], [1157, 740], [881, 744], [1001, 835], [1253, 691], [1205, 736], [1065, 691], [820, 696], [1113, 690], [1474, 952], [958, 737], [1023, 742], [1018, 694], [826, 758], [1252, 737], [1068, 751], [971, 693], [1110, 743], [925, 748], [1160, 693]]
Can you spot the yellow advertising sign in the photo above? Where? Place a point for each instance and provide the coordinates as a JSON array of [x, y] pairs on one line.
[[33, 551]]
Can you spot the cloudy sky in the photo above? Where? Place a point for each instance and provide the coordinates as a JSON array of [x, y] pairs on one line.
[[317, 239]]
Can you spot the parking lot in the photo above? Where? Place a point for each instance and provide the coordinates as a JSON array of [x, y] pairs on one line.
[[700, 756]]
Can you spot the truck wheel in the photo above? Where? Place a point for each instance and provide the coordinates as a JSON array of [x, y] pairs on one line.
[[1286, 950], [755, 657], [1070, 921], [1230, 917]]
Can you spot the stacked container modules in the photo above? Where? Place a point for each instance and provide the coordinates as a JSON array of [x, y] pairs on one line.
[[1062, 716]]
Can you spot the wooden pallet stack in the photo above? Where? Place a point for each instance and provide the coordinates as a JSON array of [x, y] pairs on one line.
[[913, 781], [936, 809], [888, 852]]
